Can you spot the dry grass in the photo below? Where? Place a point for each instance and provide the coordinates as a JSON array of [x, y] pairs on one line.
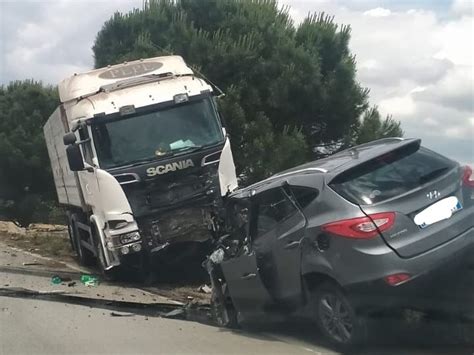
[[53, 244]]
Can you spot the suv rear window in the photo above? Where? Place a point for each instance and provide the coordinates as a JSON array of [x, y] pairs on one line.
[[391, 174]]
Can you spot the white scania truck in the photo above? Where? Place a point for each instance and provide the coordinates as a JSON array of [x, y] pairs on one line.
[[141, 161]]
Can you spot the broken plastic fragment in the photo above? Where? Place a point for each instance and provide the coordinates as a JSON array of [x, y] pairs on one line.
[[34, 263], [116, 314], [217, 256], [204, 289], [174, 313], [56, 280], [90, 280]]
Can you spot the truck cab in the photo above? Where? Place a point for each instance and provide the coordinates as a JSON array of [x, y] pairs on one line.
[[141, 161]]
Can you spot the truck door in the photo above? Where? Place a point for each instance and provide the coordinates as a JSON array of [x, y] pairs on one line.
[[88, 179]]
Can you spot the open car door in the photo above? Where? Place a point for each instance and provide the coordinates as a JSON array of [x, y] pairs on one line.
[[241, 271], [246, 289]]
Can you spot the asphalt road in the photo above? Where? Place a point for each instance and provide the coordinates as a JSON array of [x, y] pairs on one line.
[[29, 325], [40, 327]]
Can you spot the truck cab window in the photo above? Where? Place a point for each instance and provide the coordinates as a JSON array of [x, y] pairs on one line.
[[273, 207], [86, 147], [155, 134]]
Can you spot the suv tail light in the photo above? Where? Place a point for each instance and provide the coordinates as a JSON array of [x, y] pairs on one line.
[[467, 177], [397, 279], [362, 227]]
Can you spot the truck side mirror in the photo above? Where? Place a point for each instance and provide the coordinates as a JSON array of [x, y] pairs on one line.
[[69, 138], [74, 157]]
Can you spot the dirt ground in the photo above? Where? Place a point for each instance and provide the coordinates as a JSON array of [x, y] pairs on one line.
[[52, 241]]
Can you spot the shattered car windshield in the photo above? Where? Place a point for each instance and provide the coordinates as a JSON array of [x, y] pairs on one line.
[[157, 134]]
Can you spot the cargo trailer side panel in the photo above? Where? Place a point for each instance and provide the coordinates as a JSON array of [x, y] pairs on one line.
[[64, 179]]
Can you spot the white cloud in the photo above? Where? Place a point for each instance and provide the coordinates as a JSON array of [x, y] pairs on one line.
[[463, 7], [430, 122], [378, 12], [417, 60], [51, 40], [415, 56], [399, 106]]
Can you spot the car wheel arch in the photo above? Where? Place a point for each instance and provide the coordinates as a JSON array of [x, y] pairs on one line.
[[312, 280]]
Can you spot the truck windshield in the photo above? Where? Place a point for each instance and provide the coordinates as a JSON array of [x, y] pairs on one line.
[[157, 134]]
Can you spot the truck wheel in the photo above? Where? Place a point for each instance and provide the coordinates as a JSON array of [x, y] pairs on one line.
[[71, 237], [222, 309], [84, 256], [336, 318]]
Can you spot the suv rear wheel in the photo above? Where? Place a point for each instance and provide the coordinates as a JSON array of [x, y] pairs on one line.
[[336, 317]]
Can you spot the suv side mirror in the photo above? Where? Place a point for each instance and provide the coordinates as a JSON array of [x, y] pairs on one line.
[[69, 138], [74, 157]]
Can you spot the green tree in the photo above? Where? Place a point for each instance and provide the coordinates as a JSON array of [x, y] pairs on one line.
[[373, 127], [26, 182], [290, 89]]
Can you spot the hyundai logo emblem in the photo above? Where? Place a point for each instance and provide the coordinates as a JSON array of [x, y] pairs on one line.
[[433, 194]]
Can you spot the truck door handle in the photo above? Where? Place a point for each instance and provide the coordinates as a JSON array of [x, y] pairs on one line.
[[292, 245], [249, 276]]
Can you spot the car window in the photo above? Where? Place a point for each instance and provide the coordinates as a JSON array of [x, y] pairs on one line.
[[273, 207], [238, 218], [390, 175], [304, 195]]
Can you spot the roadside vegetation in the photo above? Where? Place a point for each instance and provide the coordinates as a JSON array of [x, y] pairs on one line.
[[292, 93]]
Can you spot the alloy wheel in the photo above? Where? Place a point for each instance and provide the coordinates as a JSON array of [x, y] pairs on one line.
[[336, 318]]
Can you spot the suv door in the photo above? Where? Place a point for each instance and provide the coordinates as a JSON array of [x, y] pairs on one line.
[[277, 240], [242, 275]]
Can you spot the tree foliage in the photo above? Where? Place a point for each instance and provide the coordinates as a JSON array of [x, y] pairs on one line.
[[289, 88], [373, 127], [26, 183]]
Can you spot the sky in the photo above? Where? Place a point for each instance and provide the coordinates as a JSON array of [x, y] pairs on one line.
[[415, 56]]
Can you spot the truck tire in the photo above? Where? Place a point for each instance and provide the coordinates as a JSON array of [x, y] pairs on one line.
[[84, 256], [71, 237], [336, 318]]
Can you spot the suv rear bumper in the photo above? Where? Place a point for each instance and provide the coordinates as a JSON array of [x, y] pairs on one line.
[[445, 284]]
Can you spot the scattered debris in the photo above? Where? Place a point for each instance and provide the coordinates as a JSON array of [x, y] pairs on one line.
[[52, 292], [90, 280], [33, 263], [116, 314], [56, 280], [204, 289], [175, 313]]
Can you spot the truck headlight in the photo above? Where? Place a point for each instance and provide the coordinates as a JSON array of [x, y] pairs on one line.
[[129, 237]]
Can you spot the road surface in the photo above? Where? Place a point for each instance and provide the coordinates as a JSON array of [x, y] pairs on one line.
[[106, 320]]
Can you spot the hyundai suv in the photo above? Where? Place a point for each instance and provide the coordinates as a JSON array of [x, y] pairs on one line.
[[361, 230]]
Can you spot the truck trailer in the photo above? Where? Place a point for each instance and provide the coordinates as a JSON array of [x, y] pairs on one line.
[[141, 161]]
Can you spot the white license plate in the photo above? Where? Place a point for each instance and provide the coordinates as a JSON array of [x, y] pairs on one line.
[[438, 211]]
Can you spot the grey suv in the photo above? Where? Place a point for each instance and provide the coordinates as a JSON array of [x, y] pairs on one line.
[[341, 236]]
